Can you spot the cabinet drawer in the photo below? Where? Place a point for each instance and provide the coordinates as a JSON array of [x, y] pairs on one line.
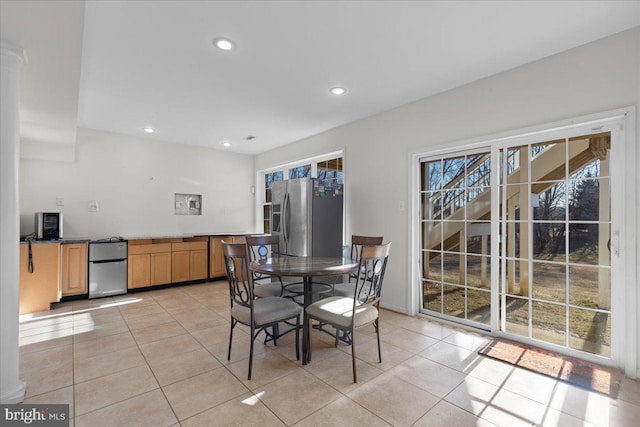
[[188, 246], [140, 242], [149, 249], [167, 240]]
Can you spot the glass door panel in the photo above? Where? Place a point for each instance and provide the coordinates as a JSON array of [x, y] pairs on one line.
[[456, 237], [555, 215]]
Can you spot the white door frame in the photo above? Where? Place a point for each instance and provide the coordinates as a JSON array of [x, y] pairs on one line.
[[624, 299]]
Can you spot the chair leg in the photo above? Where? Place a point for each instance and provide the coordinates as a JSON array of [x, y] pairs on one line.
[[353, 357], [233, 323], [274, 334], [377, 326], [306, 338], [298, 337], [251, 352]]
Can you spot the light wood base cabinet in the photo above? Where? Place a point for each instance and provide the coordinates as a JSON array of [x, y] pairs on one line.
[[139, 270], [74, 268], [160, 266], [155, 262], [216, 256], [189, 260], [41, 287], [149, 263], [199, 261], [180, 266]]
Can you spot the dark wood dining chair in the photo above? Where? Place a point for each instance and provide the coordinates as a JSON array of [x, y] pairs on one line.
[[260, 249], [346, 289], [258, 314], [346, 314]]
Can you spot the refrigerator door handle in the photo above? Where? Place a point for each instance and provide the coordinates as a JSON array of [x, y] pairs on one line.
[[285, 218]]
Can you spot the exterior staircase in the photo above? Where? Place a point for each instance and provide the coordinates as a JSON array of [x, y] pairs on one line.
[[547, 166]]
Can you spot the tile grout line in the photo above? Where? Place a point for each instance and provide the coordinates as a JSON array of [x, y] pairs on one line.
[[102, 376], [208, 351], [547, 408], [151, 369]]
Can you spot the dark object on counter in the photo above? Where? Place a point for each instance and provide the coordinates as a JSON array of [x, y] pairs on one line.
[[48, 225], [30, 261], [29, 238]]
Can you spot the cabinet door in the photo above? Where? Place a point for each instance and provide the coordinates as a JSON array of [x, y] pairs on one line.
[[199, 260], [180, 266], [41, 287], [216, 257], [139, 270], [161, 268], [74, 269]]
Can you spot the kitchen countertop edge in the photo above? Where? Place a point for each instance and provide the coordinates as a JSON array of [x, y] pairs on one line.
[[127, 238]]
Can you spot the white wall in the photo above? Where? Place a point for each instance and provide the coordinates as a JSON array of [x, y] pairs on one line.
[[134, 181], [600, 76]]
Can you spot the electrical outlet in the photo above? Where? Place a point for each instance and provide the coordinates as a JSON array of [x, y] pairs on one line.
[[94, 206], [401, 205], [59, 201]]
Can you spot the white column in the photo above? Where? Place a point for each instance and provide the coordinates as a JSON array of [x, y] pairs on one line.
[[11, 388]]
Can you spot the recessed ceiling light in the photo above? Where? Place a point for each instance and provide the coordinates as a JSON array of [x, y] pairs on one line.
[[226, 143], [223, 44], [338, 90], [148, 129]]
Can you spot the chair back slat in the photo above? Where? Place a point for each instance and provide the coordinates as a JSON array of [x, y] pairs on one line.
[[236, 259], [372, 266], [358, 241], [356, 248], [261, 248]]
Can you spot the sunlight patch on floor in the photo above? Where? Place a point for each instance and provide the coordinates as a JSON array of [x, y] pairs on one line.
[[40, 327], [253, 400]]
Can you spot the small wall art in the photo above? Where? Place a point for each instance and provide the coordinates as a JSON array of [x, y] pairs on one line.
[[188, 204]]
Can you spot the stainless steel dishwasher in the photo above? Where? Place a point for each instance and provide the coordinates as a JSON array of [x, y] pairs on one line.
[[107, 268]]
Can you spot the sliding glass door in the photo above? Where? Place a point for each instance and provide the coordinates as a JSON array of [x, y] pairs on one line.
[[550, 202]]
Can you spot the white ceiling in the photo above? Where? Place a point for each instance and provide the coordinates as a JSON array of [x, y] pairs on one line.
[[120, 66]]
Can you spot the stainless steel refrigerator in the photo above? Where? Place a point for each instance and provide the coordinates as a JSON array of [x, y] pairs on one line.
[[307, 216]]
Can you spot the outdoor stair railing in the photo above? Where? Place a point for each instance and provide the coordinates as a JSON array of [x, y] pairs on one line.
[[547, 165]]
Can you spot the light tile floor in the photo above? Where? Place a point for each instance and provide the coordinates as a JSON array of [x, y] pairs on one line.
[[158, 358]]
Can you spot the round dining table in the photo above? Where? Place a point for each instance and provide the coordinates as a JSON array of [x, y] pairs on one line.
[[306, 267]]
